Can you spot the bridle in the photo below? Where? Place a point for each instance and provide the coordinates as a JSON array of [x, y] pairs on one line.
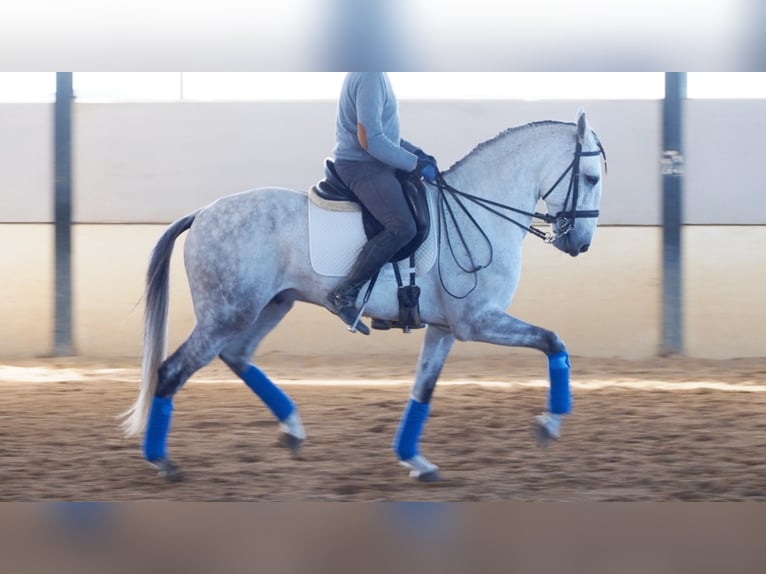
[[561, 224], [564, 221]]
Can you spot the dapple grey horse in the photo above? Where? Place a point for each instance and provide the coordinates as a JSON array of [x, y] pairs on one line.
[[247, 260]]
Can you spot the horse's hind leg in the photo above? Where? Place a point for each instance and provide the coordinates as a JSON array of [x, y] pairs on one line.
[[237, 355], [436, 346], [197, 351]]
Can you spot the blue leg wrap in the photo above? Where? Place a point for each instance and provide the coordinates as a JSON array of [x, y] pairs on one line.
[[560, 397], [408, 434], [156, 436], [274, 397]]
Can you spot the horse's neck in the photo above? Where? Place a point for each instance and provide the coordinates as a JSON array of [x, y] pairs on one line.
[[506, 171]]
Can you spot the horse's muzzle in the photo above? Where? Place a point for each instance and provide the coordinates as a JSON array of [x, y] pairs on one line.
[[570, 247], [574, 251]]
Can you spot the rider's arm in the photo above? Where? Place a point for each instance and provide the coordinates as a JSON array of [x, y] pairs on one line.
[[410, 147], [370, 100]]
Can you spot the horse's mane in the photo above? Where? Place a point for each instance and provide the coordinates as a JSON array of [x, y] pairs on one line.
[[504, 134]]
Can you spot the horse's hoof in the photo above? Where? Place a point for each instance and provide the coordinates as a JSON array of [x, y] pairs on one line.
[[293, 444], [422, 469], [429, 477], [542, 435], [167, 470], [545, 430]]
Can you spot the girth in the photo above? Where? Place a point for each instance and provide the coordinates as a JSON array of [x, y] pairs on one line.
[[332, 188]]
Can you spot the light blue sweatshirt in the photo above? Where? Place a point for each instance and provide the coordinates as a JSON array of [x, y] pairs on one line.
[[367, 98]]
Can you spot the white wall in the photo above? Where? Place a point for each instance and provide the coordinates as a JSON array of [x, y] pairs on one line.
[[725, 162], [26, 163], [151, 163]]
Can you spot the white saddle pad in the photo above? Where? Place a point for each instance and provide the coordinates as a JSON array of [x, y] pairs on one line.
[[336, 236]]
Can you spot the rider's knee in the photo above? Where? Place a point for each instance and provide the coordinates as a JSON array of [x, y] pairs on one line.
[[404, 231]]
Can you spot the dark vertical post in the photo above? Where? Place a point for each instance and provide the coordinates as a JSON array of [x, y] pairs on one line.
[[62, 192], [672, 213]]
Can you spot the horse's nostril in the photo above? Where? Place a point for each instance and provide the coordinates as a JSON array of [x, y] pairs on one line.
[[584, 248]]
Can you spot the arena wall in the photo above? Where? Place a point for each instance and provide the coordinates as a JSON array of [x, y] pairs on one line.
[[137, 167]]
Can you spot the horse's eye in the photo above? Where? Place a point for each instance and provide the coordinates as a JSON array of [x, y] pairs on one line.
[[591, 179]]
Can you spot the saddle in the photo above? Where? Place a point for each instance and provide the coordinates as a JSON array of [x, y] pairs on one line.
[[332, 188]]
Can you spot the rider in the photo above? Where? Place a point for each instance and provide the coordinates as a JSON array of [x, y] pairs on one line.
[[367, 153]]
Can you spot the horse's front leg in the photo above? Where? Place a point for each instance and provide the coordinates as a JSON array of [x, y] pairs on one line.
[[500, 328], [436, 346]]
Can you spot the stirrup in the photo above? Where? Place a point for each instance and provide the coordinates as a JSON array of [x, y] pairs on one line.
[[345, 308], [352, 318], [358, 324]]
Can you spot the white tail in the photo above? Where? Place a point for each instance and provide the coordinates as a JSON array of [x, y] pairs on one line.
[[155, 325]]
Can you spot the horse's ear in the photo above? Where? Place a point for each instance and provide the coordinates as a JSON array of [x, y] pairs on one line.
[[582, 125]]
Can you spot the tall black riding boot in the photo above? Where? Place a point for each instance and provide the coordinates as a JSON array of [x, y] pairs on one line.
[[376, 253], [342, 302]]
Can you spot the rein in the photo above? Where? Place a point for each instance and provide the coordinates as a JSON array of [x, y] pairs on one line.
[[562, 223]]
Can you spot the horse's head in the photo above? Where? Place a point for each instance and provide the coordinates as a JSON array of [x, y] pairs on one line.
[[573, 201]]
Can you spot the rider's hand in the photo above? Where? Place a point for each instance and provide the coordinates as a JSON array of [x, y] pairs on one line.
[[427, 168]]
